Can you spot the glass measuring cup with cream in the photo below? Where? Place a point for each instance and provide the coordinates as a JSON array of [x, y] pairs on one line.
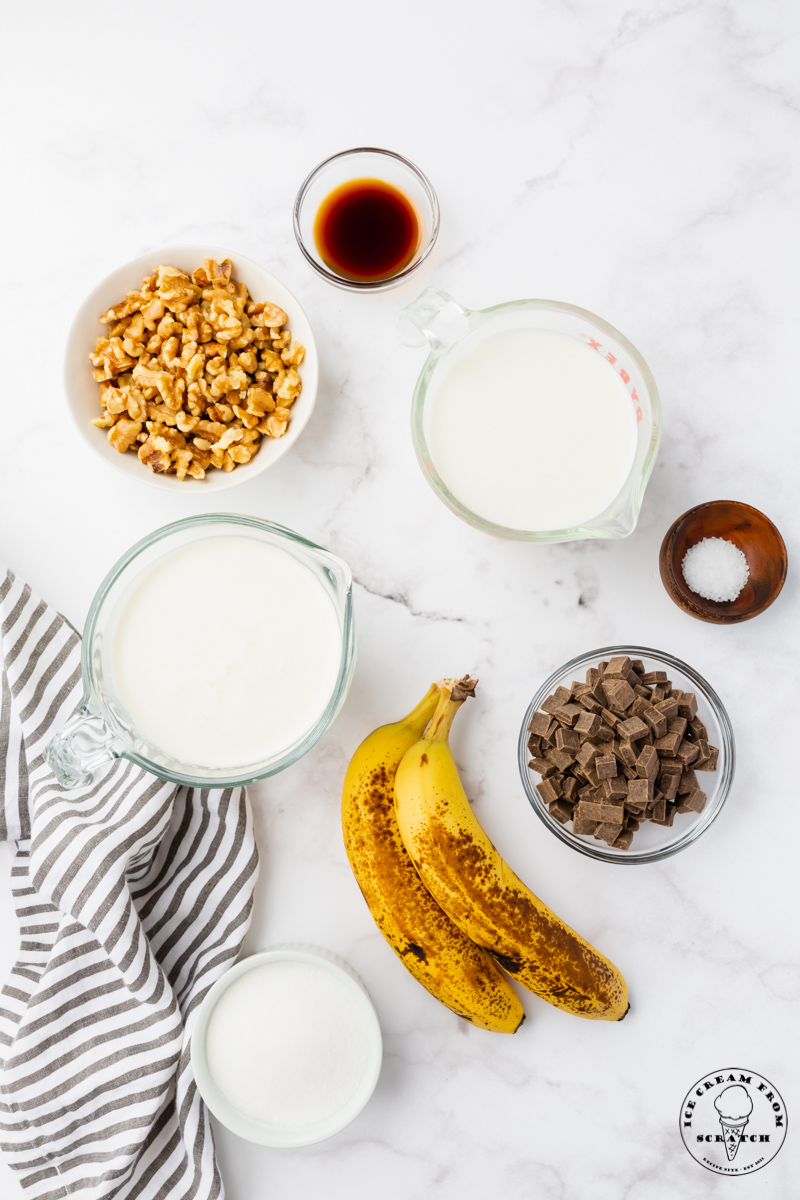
[[218, 650], [533, 420]]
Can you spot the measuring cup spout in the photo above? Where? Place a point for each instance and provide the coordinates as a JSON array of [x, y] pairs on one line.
[[79, 748], [437, 316]]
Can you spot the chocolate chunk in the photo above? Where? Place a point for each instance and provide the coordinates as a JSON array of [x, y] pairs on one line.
[[669, 815], [618, 667], [668, 708], [598, 811], [589, 702], [604, 734], [658, 693], [677, 725], [688, 706], [669, 785], [638, 666], [588, 724], [569, 788], [561, 758], [647, 763], [624, 840], [654, 677], [631, 729], [698, 729], [543, 767], [541, 724], [640, 792], [628, 772], [688, 782], [655, 719], [534, 744], [710, 763], [561, 811], [642, 693], [607, 832], [587, 754], [615, 789], [668, 744], [549, 789], [567, 714], [696, 802], [671, 766], [659, 809], [638, 706], [687, 752], [568, 739], [606, 766], [609, 717], [628, 754], [583, 825], [619, 693]]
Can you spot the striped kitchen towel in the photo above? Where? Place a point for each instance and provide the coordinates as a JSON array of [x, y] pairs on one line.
[[132, 897]]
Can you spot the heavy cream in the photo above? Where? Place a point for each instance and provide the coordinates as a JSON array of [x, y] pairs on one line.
[[225, 652], [532, 430]]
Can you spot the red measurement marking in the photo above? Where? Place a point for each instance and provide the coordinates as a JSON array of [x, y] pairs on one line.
[[623, 374]]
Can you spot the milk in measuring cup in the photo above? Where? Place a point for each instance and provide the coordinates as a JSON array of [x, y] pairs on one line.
[[532, 430], [225, 652]]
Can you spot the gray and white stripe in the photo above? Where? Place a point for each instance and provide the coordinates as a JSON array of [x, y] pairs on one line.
[[133, 896]]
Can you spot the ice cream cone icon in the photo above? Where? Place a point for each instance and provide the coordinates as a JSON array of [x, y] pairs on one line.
[[734, 1107]]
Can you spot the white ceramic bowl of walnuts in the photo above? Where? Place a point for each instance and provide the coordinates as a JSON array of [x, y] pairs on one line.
[[238, 432]]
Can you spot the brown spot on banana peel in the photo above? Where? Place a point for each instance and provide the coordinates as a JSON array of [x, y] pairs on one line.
[[413, 948], [536, 947]]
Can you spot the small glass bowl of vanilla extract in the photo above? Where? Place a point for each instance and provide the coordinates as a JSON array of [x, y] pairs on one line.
[[366, 219]]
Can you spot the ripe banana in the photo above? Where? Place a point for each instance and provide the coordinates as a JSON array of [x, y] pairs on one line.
[[430, 946], [464, 872]]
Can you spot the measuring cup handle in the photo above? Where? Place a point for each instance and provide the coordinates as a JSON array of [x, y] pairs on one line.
[[437, 316], [80, 747]]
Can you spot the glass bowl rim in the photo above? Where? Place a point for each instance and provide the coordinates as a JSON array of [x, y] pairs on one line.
[[579, 532], [376, 285], [346, 667], [595, 849]]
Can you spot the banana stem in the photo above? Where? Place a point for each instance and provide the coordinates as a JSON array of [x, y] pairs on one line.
[[420, 715], [453, 694]]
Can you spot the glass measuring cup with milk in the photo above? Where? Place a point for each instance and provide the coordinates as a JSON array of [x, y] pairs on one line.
[[217, 651], [533, 420]]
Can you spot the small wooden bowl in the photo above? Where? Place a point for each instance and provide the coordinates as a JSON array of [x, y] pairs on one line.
[[755, 536]]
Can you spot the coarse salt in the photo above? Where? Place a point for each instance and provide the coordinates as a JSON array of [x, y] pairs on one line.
[[715, 569]]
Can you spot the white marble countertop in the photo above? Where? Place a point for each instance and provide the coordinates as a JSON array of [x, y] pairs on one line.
[[638, 160]]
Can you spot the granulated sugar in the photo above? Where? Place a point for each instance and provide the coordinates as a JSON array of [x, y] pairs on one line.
[[715, 569], [287, 1044]]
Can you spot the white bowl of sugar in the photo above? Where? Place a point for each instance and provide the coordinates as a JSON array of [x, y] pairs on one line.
[[287, 1047]]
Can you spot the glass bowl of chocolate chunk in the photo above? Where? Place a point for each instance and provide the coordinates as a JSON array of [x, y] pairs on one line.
[[626, 754]]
